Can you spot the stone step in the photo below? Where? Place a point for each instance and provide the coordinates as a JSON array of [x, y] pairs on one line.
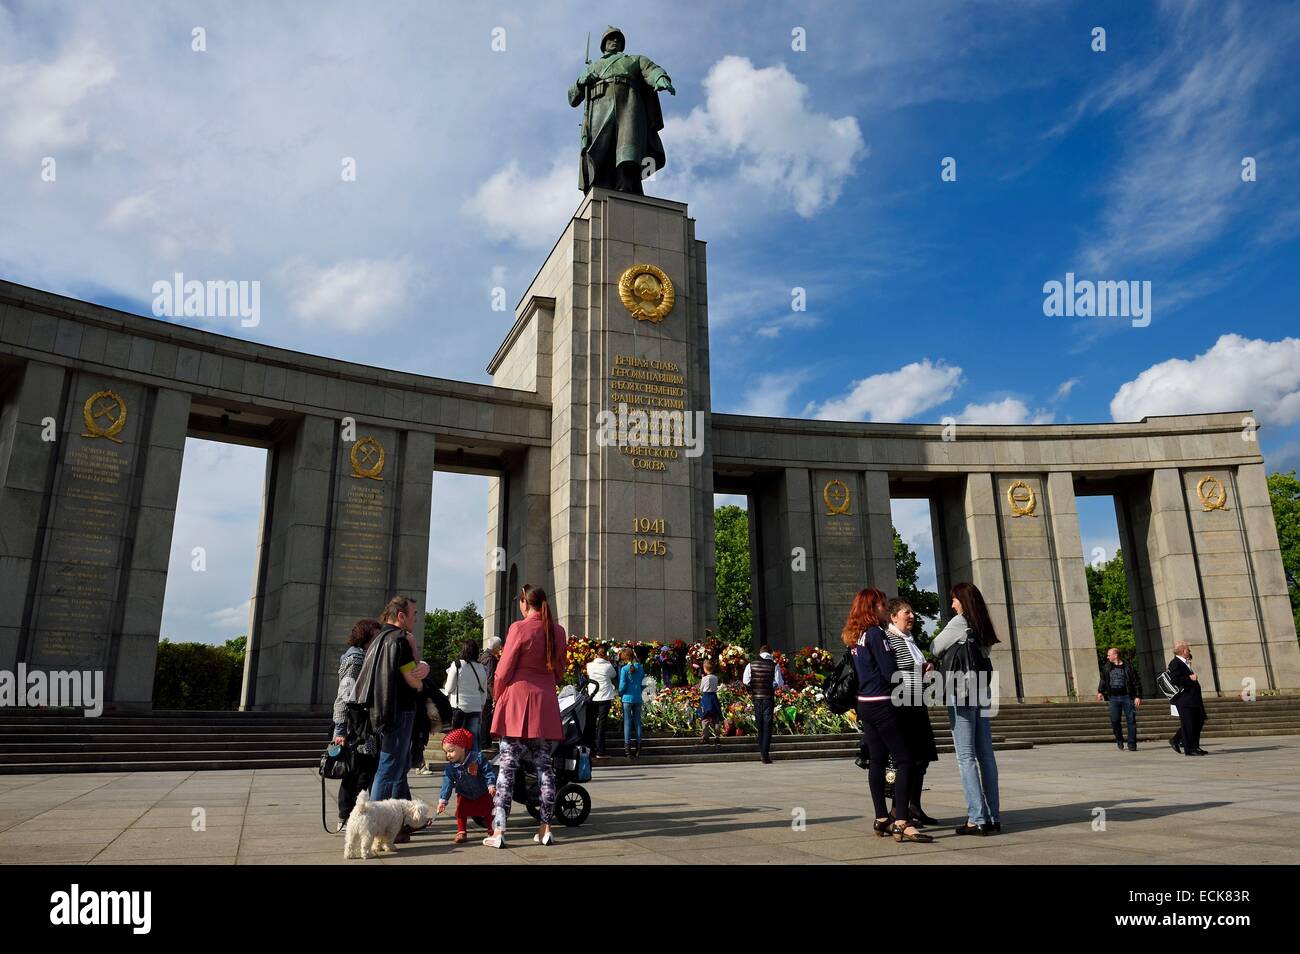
[[160, 755], [161, 750], [193, 765], [120, 725], [176, 738]]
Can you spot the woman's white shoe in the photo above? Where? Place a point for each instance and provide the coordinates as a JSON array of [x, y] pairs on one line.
[[495, 841], [548, 840]]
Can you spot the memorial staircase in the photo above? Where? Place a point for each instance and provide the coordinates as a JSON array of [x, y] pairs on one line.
[[43, 742]]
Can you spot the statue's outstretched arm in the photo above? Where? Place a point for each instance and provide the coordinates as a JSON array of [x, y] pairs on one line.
[[655, 76]]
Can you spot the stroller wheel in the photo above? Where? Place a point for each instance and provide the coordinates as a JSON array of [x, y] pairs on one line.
[[572, 805], [534, 810]]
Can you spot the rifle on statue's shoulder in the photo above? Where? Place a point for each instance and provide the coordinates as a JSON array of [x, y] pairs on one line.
[[586, 96]]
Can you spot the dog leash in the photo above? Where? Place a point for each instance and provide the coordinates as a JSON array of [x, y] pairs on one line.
[[322, 811]]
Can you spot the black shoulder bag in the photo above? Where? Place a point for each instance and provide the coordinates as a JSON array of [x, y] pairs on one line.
[[842, 685]]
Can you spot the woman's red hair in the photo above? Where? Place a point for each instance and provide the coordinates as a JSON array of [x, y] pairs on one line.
[[868, 610]]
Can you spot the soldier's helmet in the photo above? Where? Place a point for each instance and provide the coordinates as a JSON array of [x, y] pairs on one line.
[[614, 32]]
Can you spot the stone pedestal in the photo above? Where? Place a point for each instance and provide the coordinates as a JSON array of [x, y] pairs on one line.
[[631, 526]]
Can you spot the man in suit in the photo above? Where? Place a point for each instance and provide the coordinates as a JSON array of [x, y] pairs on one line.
[[1188, 702]]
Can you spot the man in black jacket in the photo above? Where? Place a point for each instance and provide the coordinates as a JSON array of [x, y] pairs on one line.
[[1188, 702], [389, 682], [1121, 686]]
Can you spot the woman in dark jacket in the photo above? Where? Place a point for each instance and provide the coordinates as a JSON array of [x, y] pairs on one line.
[[874, 661], [364, 760]]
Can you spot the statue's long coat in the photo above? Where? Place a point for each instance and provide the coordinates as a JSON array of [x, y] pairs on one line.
[[624, 120]]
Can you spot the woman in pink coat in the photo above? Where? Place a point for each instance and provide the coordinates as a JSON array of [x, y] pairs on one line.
[[526, 714]]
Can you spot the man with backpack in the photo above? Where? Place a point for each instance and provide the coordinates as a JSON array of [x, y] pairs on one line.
[[1122, 688], [390, 680]]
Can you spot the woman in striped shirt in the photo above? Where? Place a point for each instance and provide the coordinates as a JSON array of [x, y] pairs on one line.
[[913, 718]]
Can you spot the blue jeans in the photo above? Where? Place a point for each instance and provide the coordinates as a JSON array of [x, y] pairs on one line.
[[972, 734], [1124, 705], [474, 726], [394, 760], [631, 717]]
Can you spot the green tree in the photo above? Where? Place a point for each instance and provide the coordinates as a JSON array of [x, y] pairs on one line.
[[198, 675], [445, 631], [907, 567], [734, 585], [1284, 494], [1112, 620]]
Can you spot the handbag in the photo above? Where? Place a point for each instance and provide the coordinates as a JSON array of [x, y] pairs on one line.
[[962, 663], [964, 657], [335, 763], [842, 685], [1165, 683]]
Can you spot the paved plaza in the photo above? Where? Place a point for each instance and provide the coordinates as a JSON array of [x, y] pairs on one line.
[[1241, 805]]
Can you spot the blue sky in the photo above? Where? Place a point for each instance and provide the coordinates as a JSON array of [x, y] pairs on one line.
[[815, 169]]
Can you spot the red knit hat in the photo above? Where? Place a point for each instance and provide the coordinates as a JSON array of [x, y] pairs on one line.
[[459, 737]]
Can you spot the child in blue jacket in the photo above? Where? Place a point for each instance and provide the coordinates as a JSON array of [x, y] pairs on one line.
[[472, 776]]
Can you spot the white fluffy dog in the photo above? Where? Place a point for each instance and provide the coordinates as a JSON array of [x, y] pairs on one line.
[[372, 826]]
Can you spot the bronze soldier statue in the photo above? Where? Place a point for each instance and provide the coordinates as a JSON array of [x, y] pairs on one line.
[[620, 129]]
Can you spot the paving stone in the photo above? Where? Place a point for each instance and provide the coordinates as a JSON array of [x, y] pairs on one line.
[[1242, 806]]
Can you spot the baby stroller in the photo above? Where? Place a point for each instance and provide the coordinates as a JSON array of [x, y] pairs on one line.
[[572, 760]]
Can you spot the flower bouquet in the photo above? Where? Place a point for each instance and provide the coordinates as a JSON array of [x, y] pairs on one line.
[[733, 660]]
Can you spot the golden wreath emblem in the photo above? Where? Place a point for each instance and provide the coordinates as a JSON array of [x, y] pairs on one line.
[[647, 292], [367, 459], [1021, 499], [1212, 494], [837, 497], [104, 415]]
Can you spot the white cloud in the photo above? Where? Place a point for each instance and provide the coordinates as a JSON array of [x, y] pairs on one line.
[[352, 296], [1007, 411], [1064, 390], [233, 618], [756, 132], [757, 124], [44, 103], [893, 395], [530, 207], [770, 394], [1237, 374], [786, 322], [1188, 117]]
